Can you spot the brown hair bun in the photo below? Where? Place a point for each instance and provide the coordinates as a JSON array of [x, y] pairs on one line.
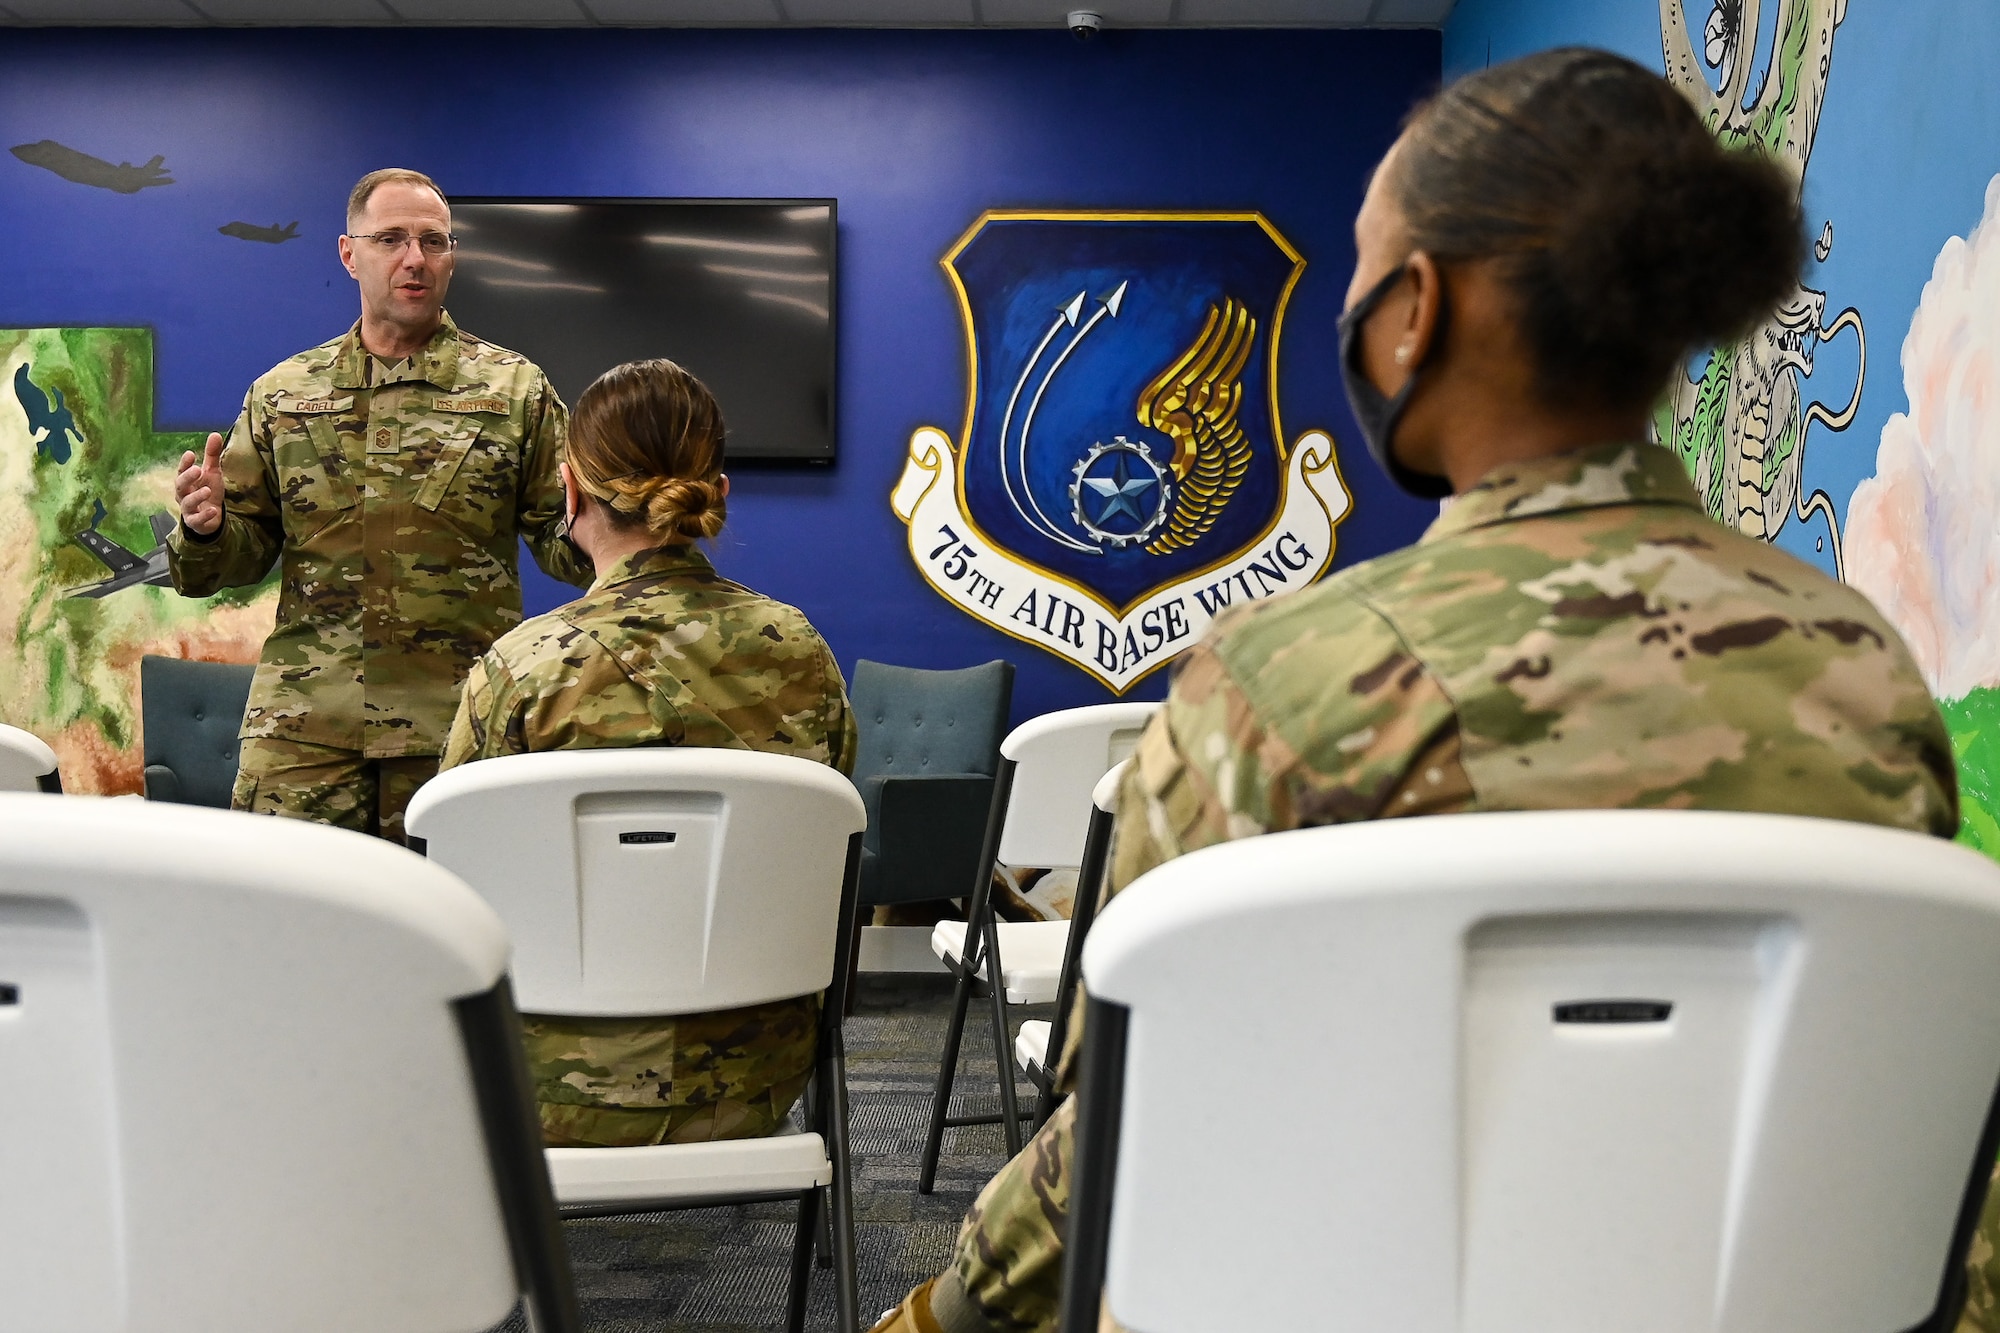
[[647, 441], [689, 506]]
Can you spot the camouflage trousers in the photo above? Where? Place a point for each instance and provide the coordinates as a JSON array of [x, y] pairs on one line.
[[1006, 1274], [1982, 1268], [630, 1082], [343, 788]]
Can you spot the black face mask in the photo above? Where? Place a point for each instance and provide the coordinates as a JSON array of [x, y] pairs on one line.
[[1377, 416], [562, 535]]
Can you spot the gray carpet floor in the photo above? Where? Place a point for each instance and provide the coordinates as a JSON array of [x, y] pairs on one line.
[[723, 1270]]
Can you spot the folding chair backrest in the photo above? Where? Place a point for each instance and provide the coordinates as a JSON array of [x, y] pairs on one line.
[[1058, 758], [241, 1081], [1562, 1072], [651, 881], [26, 761]]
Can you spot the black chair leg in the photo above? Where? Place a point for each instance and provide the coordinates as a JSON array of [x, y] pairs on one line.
[[978, 932], [1003, 1040], [823, 1243], [816, 1122], [947, 1074], [1045, 1096], [802, 1262], [844, 1259], [854, 967]]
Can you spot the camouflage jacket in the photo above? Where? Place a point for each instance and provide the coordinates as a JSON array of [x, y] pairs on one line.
[[392, 504], [662, 651], [1571, 633]]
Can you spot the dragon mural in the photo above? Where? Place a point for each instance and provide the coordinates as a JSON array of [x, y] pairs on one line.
[[1740, 425]]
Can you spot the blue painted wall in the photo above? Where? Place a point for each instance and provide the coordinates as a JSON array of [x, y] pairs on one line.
[[915, 132]]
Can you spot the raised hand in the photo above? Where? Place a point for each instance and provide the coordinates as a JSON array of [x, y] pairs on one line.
[[198, 487]]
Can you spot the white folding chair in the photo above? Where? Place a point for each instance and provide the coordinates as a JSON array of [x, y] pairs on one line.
[[26, 762], [261, 1074], [652, 882], [1040, 817], [1559, 1072], [1038, 1046]]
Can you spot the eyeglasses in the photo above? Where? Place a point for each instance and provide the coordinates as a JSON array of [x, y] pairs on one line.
[[432, 243]]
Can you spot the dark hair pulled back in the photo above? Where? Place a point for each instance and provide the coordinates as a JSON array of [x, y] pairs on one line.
[[646, 439], [1629, 235]]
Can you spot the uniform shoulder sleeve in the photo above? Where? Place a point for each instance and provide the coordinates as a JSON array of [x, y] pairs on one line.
[[800, 703], [539, 504], [543, 686], [1309, 711], [467, 739], [836, 712]]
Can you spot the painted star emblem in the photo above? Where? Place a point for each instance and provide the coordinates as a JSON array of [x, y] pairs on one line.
[[1121, 491]]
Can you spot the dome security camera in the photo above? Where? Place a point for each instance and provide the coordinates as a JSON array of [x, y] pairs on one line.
[[1085, 24]]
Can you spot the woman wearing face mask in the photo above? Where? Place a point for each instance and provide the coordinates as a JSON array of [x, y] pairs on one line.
[[660, 651], [1538, 252]]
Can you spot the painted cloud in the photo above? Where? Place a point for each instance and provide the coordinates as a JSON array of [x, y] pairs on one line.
[[1923, 533]]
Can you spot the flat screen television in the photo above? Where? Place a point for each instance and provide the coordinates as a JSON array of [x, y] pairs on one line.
[[740, 291]]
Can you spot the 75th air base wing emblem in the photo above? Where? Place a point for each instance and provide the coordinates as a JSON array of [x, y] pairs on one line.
[[1122, 475]]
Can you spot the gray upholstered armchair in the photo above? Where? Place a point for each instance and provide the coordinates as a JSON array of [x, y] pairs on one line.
[[930, 744], [190, 713]]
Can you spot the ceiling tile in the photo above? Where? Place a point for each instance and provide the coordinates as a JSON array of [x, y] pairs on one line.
[[1052, 13], [943, 13], [487, 12], [859, 13], [1274, 13], [295, 13], [104, 11], [684, 11], [1411, 11]]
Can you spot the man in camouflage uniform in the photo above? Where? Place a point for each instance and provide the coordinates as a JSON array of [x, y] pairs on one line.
[[662, 651], [388, 474], [1572, 633]]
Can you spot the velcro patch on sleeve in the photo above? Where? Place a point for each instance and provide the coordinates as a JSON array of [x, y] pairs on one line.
[[497, 405]]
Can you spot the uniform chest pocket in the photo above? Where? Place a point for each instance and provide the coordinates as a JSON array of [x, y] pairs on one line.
[[313, 480], [470, 482]]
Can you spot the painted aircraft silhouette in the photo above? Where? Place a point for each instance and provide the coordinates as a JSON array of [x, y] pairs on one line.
[[127, 570], [52, 422], [87, 170], [247, 231]]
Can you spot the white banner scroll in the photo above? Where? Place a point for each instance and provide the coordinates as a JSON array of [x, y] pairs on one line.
[[1056, 614]]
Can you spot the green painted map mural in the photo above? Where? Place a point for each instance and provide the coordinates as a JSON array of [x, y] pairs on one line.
[[86, 488]]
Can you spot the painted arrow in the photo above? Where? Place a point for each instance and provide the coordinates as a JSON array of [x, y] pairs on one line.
[[1106, 306], [1065, 317]]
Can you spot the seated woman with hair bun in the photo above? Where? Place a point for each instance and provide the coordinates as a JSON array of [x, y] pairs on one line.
[[661, 650]]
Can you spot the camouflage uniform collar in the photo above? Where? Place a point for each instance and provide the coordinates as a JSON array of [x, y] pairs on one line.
[[1605, 475], [436, 364], [654, 562]]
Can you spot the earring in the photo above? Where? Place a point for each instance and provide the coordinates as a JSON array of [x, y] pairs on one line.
[[1402, 356]]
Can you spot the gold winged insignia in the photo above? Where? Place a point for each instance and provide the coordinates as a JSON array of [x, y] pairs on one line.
[[1194, 402]]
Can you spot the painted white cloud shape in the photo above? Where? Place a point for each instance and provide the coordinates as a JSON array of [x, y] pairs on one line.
[[1923, 534]]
